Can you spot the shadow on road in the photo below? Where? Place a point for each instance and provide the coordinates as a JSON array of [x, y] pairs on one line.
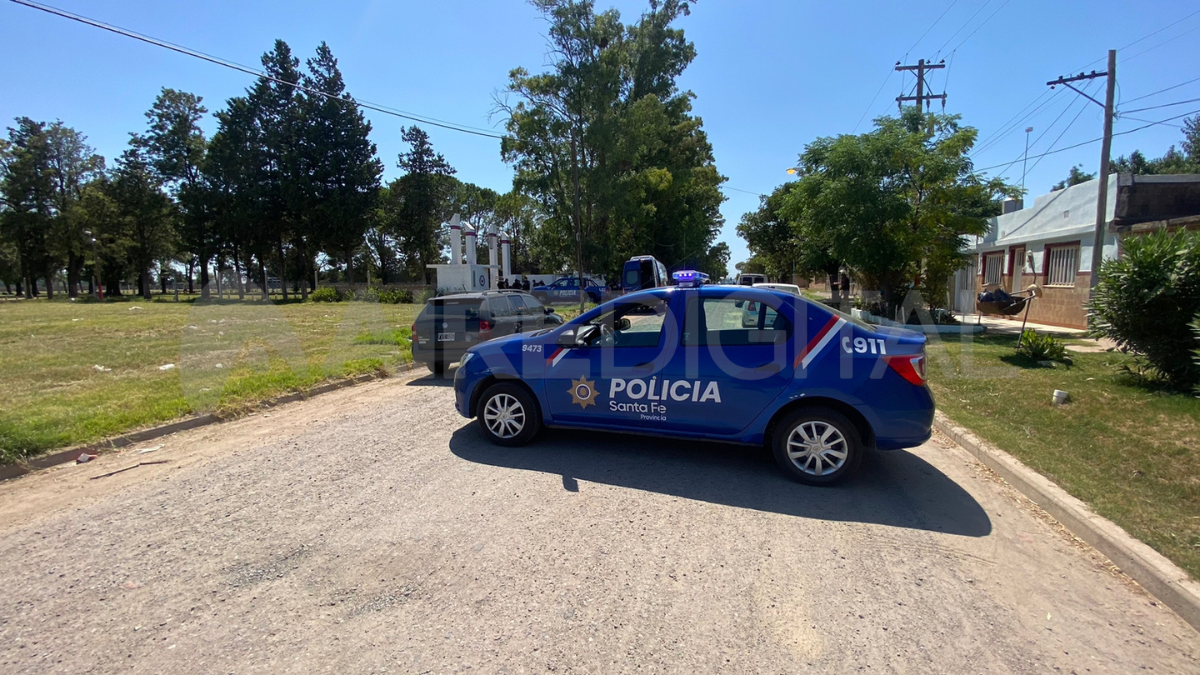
[[432, 380], [891, 488]]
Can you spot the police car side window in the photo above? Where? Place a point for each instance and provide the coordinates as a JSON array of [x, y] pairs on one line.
[[732, 322], [636, 324]]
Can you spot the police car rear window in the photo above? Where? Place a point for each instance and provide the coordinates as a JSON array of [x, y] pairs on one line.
[[733, 321]]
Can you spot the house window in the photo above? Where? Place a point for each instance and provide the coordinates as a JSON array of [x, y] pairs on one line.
[[993, 266], [1061, 265]]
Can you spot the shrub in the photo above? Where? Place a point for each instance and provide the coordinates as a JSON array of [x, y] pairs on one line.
[[325, 294], [1042, 347], [1196, 354], [1145, 300]]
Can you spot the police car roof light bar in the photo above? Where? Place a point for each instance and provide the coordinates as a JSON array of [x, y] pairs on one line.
[[690, 278]]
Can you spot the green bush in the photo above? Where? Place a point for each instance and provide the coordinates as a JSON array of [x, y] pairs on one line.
[[1042, 347], [1145, 301], [1196, 353], [325, 294], [395, 297]]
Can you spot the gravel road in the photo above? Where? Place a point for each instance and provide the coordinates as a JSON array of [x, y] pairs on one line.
[[373, 530]]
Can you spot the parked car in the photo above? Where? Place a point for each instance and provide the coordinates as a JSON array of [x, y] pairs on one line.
[[751, 279], [451, 324], [642, 272], [567, 290], [813, 385]]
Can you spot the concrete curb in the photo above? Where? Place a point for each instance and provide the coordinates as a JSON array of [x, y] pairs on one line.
[[125, 440], [1161, 577]]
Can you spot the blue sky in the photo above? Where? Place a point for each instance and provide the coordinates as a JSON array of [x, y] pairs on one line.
[[769, 76]]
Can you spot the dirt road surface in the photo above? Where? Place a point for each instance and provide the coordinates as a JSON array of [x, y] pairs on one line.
[[373, 530]]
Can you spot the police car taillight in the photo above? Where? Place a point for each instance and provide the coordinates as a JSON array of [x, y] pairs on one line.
[[911, 368], [689, 278]]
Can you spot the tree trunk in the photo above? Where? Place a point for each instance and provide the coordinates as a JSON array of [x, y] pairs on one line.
[[49, 282], [204, 292], [350, 269], [237, 270], [74, 265], [162, 279], [191, 273], [144, 282], [304, 270], [282, 269], [262, 276]]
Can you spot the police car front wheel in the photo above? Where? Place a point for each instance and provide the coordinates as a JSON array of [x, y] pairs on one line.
[[508, 414], [817, 446]]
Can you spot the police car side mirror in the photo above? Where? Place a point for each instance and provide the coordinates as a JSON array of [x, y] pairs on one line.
[[549, 310], [567, 339], [622, 324]]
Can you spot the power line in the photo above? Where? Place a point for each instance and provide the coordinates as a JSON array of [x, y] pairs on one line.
[[873, 98], [1168, 40], [985, 21], [931, 27], [1009, 127], [1164, 105], [1138, 119], [1156, 93], [1010, 120], [1144, 37], [387, 110], [749, 192], [1094, 140], [1059, 138], [1046, 131], [960, 28]]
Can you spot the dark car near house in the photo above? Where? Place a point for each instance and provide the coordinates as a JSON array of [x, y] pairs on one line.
[[451, 324]]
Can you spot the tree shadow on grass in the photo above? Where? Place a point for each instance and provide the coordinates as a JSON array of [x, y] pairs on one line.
[[896, 488]]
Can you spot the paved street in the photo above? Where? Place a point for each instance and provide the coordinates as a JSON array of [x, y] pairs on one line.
[[374, 530]]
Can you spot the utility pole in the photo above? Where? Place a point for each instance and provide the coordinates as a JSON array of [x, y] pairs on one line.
[[1105, 149], [921, 68], [1025, 160]]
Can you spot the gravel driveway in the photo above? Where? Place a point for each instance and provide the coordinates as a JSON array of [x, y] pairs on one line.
[[373, 530]]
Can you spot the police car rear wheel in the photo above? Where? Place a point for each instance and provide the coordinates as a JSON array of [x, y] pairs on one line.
[[509, 415], [817, 446]]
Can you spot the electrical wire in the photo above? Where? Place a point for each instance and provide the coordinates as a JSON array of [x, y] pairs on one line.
[[931, 27], [186, 51], [1167, 41], [1009, 127], [1027, 106], [877, 92], [960, 28], [1156, 93], [1047, 130], [1144, 37], [1059, 137], [1165, 124], [1155, 107], [1094, 140], [985, 22]]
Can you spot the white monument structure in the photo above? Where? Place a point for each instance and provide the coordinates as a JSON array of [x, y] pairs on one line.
[[464, 273]]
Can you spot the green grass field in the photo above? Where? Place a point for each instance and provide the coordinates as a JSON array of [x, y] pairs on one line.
[[77, 372], [1130, 451]]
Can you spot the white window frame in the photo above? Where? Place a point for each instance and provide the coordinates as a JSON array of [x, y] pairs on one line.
[[993, 261], [1062, 265]]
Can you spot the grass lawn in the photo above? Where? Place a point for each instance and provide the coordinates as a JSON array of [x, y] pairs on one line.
[[1129, 450], [76, 372]]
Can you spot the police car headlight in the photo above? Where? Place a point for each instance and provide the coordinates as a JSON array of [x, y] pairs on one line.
[[465, 357]]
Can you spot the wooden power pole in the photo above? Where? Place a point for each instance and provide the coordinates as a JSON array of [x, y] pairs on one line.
[[921, 68], [1105, 150]]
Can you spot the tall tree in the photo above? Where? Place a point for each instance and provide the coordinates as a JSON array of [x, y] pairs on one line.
[[145, 213], [72, 165], [175, 145], [338, 171], [896, 203], [27, 189], [420, 201], [608, 130]]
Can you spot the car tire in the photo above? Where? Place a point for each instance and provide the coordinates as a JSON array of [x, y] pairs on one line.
[[438, 367], [817, 446], [509, 415]]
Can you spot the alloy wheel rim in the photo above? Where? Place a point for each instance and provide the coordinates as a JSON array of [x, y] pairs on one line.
[[817, 448], [504, 416]]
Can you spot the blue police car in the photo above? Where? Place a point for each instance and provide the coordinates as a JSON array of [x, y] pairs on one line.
[[722, 363]]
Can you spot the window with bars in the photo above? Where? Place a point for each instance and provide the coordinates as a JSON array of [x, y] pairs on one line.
[[993, 267], [1061, 265]]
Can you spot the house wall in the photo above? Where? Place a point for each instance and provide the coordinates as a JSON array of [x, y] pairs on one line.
[[1064, 217]]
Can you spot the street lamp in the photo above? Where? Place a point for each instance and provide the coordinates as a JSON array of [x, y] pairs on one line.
[[793, 171], [1025, 160]]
